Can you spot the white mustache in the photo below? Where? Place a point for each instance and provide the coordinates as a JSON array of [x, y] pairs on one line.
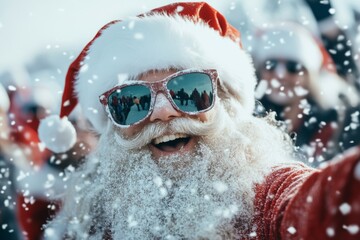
[[179, 125]]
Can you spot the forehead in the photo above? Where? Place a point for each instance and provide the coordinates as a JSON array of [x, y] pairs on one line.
[[155, 75]]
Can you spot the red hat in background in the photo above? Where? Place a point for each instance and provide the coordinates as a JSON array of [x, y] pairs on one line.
[[290, 40]]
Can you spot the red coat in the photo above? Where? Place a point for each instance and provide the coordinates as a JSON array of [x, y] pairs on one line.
[[296, 202], [32, 216]]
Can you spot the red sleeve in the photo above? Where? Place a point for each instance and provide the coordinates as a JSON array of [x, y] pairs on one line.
[[327, 205], [273, 196], [297, 202]]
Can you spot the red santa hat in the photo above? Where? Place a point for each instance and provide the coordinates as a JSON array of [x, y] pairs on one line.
[[289, 40], [179, 35]]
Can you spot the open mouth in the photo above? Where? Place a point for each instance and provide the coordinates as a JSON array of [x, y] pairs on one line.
[[171, 143]]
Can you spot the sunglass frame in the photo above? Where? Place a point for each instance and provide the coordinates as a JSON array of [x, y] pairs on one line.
[[157, 87]]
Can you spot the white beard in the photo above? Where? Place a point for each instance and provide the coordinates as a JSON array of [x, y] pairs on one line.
[[193, 196]]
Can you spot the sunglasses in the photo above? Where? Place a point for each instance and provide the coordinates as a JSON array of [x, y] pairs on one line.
[[189, 91], [291, 66]]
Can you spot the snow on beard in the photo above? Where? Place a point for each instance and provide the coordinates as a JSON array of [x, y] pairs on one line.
[[196, 195]]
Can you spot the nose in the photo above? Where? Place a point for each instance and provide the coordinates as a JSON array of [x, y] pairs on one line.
[[280, 70], [163, 110]]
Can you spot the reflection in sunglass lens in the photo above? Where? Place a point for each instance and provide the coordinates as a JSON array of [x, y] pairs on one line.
[[130, 104], [293, 67], [192, 92]]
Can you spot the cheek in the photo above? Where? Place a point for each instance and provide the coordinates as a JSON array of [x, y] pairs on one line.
[[130, 131], [266, 75], [302, 81], [295, 81], [133, 130], [204, 117]]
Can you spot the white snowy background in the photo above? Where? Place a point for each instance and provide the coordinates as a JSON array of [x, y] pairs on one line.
[[59, 29], [40, 38]]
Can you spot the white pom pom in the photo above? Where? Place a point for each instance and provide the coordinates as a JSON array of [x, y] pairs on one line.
[[57, 134]]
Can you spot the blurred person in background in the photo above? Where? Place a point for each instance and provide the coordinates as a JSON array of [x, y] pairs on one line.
[[298, 83], [336, 23], [41, 172], [9, 227], [29, 103], [339, 28]]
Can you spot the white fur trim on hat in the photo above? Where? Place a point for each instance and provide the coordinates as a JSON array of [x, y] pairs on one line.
[[58, 134], [137, 45]]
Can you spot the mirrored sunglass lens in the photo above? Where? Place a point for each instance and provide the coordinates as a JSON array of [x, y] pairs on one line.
[[192, 92], [129, 104], [293, 67]]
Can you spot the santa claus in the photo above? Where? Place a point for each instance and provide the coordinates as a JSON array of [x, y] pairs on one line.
[[208, 169]]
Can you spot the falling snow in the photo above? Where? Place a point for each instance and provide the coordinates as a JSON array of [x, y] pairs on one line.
[[291, 230], [330, 232], [352, 229], [50, 48], [345, 208]]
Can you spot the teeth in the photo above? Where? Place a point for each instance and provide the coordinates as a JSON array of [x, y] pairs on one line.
[[168, 138]]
